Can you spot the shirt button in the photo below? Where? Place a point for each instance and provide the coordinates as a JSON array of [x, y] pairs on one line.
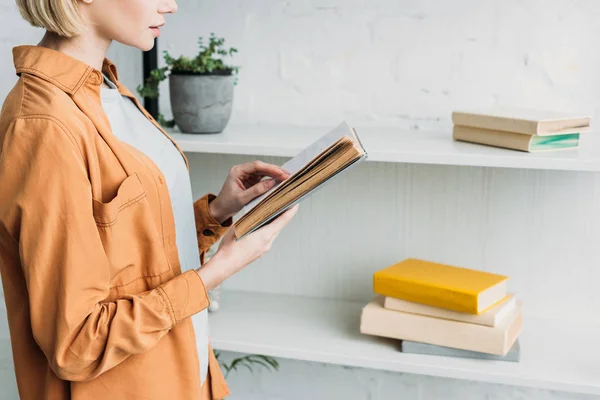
[[207, 232], [95, 78]]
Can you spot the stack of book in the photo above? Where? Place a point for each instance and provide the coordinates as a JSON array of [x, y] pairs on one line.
[[520, 129], [445, 310]]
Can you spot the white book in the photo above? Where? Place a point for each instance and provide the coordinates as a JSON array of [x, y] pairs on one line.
[[492, 317], [523, 120]]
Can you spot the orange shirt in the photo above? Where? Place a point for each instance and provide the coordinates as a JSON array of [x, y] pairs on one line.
[[97, 305]]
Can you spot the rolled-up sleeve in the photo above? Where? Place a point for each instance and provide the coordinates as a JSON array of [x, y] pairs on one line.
[[208, 230]]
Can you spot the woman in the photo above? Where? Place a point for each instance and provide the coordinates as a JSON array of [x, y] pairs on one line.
[[101, 245]]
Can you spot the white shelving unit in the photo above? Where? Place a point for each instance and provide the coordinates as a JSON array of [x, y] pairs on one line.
[[554, 356], [390, 145]]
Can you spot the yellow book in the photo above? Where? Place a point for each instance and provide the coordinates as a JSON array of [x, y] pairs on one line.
[[439, 285]]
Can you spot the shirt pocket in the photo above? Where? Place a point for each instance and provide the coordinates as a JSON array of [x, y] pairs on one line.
[[131, 240]]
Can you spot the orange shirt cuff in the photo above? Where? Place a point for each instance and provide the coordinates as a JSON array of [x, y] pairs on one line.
[[185, 295], [208, 229]]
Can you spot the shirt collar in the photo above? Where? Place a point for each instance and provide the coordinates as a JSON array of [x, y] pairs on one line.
[[60, 69]]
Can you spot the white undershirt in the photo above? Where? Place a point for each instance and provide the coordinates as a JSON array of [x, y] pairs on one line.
[[132, 127]]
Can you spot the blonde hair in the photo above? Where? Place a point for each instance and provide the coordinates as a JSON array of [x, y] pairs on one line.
[[58, 16]]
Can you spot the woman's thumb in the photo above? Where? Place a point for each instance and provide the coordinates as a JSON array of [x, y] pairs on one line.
[[257, 190], [280, 222]]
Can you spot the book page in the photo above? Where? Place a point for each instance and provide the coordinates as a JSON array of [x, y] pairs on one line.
[[298, 175], [309, 179], [305, 156]]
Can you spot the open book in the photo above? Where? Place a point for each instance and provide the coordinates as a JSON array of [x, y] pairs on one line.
[[324, 159]]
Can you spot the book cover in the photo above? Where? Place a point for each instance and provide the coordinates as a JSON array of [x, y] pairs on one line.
[[515, 141], [439, 285], [410, 347], [379, 321], [522, 120], [491, 317]]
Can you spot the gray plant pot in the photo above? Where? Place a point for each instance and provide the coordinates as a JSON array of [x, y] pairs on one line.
[[201, 103]]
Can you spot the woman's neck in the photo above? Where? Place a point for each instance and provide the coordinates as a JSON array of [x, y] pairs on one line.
[[86, 48]]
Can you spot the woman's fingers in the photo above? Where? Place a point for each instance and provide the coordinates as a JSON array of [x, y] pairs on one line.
[[262, 169], [259, 189]]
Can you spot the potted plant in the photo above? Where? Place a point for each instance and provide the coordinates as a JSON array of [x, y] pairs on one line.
[[200, 88]]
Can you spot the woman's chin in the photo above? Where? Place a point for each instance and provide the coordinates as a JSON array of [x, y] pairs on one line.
[[148, 46], [144, 43]]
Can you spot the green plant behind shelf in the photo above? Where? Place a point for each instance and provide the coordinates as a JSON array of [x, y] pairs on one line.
[[166, 123], [249, 362], [209, 61]]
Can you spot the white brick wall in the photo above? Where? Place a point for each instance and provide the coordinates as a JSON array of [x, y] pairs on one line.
[[400, 62]]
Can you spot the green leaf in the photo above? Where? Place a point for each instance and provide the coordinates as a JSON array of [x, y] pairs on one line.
[[166, 123], [272, 362], [259, 362], [249, 362]]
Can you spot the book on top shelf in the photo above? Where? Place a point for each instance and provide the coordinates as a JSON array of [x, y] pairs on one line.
[[523, 120], [316, 165], [515, 141]]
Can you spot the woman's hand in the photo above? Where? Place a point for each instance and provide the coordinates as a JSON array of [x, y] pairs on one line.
[[243, 184], [232, 256]]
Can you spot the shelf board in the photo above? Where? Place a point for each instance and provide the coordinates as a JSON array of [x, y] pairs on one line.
[[390, 145], [554, 355]]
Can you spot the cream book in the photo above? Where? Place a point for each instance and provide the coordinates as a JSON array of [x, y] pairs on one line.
[[379, 321], [515, 141], [492, 317], [522, 120], [325, 159]]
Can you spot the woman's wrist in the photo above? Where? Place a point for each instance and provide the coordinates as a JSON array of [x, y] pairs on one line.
[[213, 272], [216, 211]]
